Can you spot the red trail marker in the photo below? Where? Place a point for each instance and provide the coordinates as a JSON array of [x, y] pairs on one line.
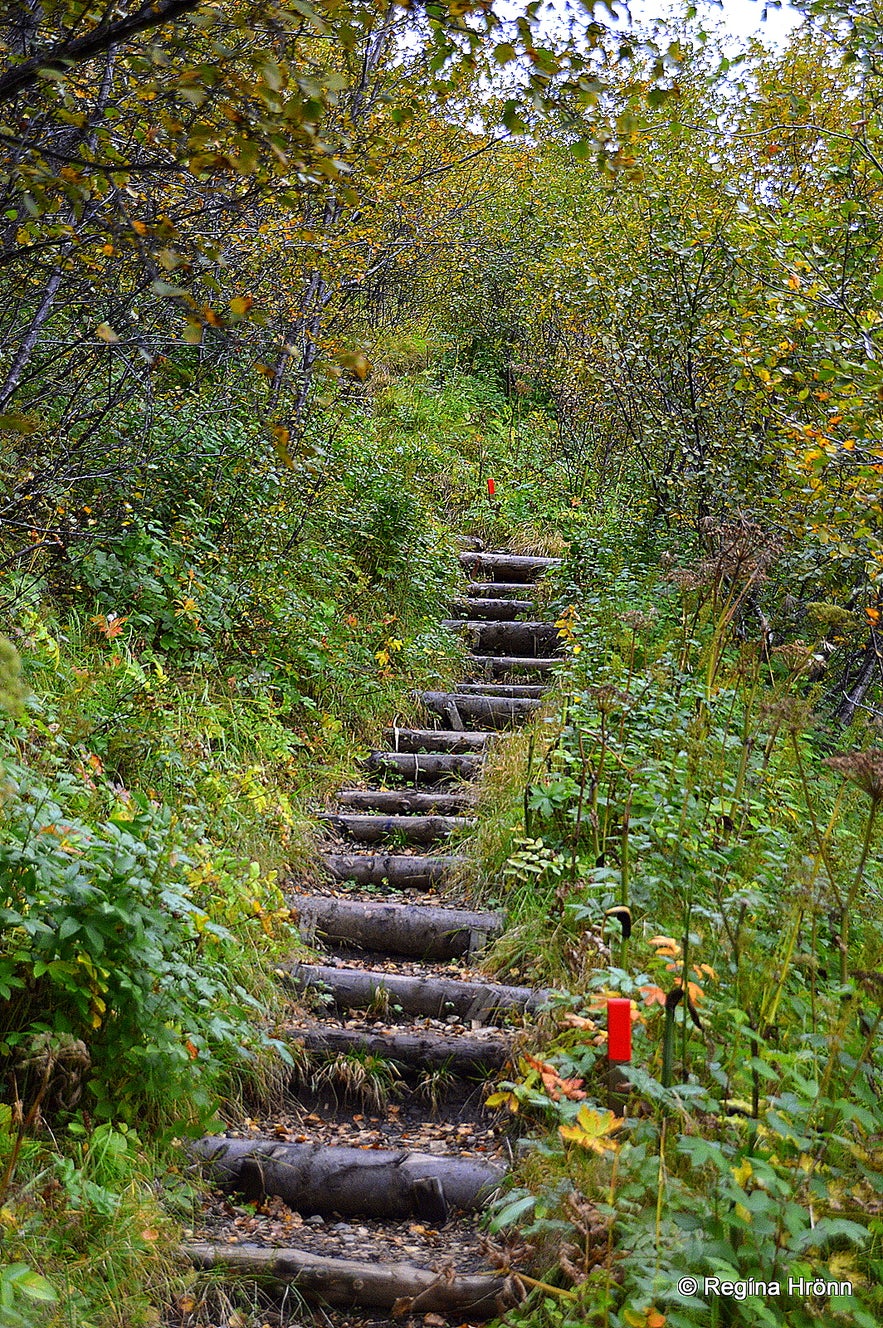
[[619, 1050], [491, 488], [619, 1029]]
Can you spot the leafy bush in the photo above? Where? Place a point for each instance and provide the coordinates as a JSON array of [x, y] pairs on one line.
[[109, 940], [685, 778]]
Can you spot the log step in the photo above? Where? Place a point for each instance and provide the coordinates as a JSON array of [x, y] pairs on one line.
[[500, 590], [424, 767], [349, 1282], [409, 829], [417, 930], [435, 740], [430, 996], [490, 609], [459, 708], [502, 666], [523, 689], [354, 1182], [392, 802], [462, 1055], [510, 638], [506, 566], [401, 870]]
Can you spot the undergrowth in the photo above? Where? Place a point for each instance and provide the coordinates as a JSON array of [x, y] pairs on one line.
[[183, 686], [697, 838]]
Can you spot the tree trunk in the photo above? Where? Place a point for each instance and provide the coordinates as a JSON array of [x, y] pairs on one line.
[[433, 740], [855, 695], [491, 608], [461, 1054], [405, 802], [402, 870], [411, 829], [502, 666], [345, 1282], [525, 690], [403, 929], [490, 711], [364, 1182], [431, 997], [499, 590], [511, 638], [506, 566], [424, 767]]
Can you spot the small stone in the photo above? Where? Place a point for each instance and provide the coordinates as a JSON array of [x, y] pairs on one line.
[[341, 1226], [317, 1220]]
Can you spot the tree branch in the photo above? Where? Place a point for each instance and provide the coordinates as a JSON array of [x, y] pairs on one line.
[[152, 14]]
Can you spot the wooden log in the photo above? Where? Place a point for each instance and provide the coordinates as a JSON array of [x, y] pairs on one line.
[[490, 608], [508, 638], [403, 802], [404, 871], [461, 1054], [409, 829], [349, 1282], [364, 1182], [504, 666], [432, 997], [523, 689], [500, 590], [506, 566], [490, 711], [417, 930], [434, 740], [424, 767]]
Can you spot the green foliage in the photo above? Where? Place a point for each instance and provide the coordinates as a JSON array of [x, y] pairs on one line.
[[686, 779], [108, 939], [83, 1209], [12, 689]]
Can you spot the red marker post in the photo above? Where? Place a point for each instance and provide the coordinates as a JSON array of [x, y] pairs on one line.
[[619, 1050], [491, 488]]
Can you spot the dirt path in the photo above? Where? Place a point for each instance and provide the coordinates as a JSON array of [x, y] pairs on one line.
[[365, 1194]]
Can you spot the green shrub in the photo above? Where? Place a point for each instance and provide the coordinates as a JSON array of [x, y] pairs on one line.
[[106, 940]]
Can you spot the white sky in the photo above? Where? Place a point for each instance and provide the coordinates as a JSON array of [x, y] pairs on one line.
[[740, 18]]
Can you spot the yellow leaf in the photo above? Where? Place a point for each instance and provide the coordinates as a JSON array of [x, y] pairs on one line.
[[507, 1100], [743, 1172], [241, 304], [592, 1129], [281, 438], [106, 333], [358, 363]]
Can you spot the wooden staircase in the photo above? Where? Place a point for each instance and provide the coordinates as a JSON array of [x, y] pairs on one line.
[[396, 987]]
